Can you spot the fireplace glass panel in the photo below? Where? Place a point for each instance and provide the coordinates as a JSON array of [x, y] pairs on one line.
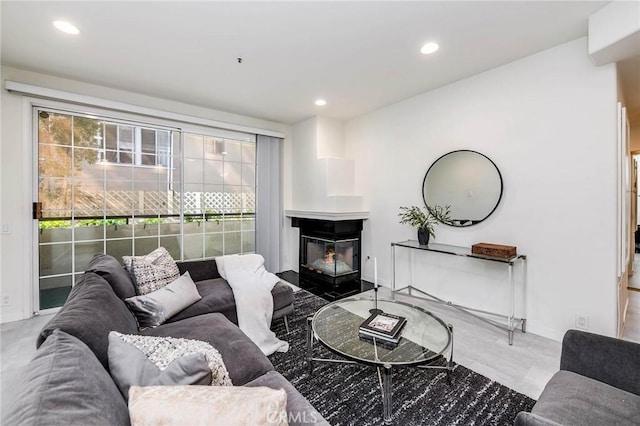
[[328, 257]]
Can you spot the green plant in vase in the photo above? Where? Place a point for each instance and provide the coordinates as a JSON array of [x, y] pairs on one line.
[[424, 219]]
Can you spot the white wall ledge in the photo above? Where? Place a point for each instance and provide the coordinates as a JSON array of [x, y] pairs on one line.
[[334, 216]]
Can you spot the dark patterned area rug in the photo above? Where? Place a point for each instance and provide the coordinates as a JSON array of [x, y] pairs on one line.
[[349, 394]]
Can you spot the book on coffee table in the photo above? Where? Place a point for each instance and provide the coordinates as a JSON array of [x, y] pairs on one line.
[[383, 326]]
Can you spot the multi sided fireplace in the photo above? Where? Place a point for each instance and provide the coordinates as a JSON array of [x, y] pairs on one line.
[[329, 257]]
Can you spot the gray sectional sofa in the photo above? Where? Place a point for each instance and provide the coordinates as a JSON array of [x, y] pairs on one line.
[[598, 384], [68, 381]]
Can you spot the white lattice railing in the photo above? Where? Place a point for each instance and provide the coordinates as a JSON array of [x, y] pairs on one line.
[[160, 202]]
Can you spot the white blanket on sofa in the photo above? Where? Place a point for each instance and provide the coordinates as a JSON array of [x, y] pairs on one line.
[[252, 284]]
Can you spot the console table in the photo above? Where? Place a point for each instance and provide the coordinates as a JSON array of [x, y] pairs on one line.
[[507, 322]]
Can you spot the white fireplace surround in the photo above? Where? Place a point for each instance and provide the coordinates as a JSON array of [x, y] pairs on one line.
[[332, 216]]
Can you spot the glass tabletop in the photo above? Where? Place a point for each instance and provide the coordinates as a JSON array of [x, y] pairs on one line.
[[456, 251], [424, 337]]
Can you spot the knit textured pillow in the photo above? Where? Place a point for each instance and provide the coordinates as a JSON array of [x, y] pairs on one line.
[[153, 271], [136, 360]]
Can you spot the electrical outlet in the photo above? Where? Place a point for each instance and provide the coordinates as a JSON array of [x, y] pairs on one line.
[[582, 322], [6, 301]]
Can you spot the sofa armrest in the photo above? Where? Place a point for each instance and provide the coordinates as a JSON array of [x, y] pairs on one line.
[[529, 419], [605, 359], [200, 270]]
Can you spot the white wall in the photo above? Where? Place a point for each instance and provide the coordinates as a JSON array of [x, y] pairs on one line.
[[548, 121], [323, 180], [16, 174]]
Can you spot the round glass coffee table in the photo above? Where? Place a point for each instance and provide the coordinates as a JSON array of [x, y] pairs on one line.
[[424, 338]]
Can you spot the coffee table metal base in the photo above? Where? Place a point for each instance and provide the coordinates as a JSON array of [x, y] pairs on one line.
[[384, 371]]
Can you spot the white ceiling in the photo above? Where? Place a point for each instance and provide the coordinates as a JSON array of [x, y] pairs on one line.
[[359, 56]]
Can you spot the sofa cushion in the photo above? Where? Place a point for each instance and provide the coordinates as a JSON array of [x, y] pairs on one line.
[[572, 399], [200, 270], [66, 385], [243, 359], [163, 361], [206, 405], [91, 311], [152, 271], [282, 295], [299, 410], [152, 309], [114, 273], [216, 296]]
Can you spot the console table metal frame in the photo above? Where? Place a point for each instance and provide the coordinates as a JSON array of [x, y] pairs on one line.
[[508, 322]]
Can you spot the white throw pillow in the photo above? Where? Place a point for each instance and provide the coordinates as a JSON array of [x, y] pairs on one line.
[[156, 307], [207, 405], [153, 271]]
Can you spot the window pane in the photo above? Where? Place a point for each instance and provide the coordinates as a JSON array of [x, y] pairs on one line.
[[213, 245], [54, 128], [145, 227], [55, 259], [193, 146], [55, 194], [89, 195], [249, 174], [214, 225], [89, 229], [172, 244], [193, 171], [232, 173], [54, 231], [54, 160], [232, 242], [213, 172], [85, 161], [170, 226], [248, 241], [87, 132], [85, 251], [233, 150], [213, 199], [54, 291], [118, 227], [248, 152], [144, 246], [193, 247], [119, 248], [213, 148]]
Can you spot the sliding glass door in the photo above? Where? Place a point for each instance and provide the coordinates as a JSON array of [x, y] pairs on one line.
[[122, 188], [219, 195]]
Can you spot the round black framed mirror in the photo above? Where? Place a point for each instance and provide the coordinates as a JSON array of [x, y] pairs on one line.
[[466, 181]]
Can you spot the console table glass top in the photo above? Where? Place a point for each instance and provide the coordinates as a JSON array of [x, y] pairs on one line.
[[508, 321], [455, 250], [424, 337]]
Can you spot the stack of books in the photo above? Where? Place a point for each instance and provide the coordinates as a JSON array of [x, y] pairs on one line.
[[383, 327]]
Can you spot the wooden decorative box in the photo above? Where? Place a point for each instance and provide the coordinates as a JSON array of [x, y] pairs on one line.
[[494, 250]]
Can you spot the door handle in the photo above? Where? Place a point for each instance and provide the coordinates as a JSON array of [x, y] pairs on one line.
[[37, 210]]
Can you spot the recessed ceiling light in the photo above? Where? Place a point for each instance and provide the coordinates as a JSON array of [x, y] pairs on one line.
[[429, 48], [66, 27], [321, 102]]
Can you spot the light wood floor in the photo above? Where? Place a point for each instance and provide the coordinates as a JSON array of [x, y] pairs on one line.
[[526, 366]]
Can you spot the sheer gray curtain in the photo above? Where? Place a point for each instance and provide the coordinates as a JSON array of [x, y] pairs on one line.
[[269, 200]]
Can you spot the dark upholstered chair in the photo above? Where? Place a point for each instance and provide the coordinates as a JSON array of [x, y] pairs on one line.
[[598, 384]]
